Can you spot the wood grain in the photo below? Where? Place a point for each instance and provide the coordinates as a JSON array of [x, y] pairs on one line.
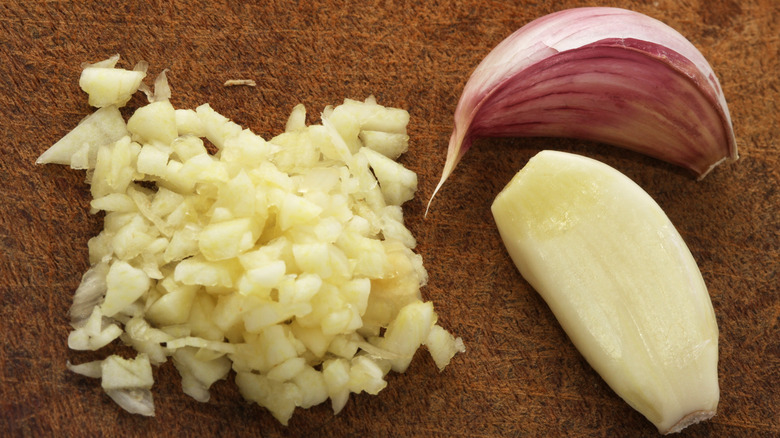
[[520, 376]]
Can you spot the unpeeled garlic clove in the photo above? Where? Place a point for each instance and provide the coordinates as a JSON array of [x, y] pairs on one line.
[[620, 281], [604, 74]]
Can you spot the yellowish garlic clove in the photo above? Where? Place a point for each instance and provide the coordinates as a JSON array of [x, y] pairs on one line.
[[620, 281]]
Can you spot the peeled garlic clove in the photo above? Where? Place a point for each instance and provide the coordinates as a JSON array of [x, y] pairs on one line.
[[619, 279], [603, 74]]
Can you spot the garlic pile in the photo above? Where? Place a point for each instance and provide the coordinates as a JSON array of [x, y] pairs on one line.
[[286, 260]]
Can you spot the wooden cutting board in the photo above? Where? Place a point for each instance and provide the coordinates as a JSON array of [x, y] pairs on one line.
[[520, 375]]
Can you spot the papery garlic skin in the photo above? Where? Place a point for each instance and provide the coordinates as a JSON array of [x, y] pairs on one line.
[[603, 74], [619, 279]]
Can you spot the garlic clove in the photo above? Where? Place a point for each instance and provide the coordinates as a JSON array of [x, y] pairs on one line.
[[604, 74], [620, 281]]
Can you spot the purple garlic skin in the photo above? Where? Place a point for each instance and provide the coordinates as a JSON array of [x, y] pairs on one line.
[[603, 74]]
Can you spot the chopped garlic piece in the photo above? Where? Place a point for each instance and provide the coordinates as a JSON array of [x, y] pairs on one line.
[[119, 373], [107, 85], [103, 127], [124, 285]]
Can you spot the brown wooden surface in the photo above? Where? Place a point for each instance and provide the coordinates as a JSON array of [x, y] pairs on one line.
[[520, 376]]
